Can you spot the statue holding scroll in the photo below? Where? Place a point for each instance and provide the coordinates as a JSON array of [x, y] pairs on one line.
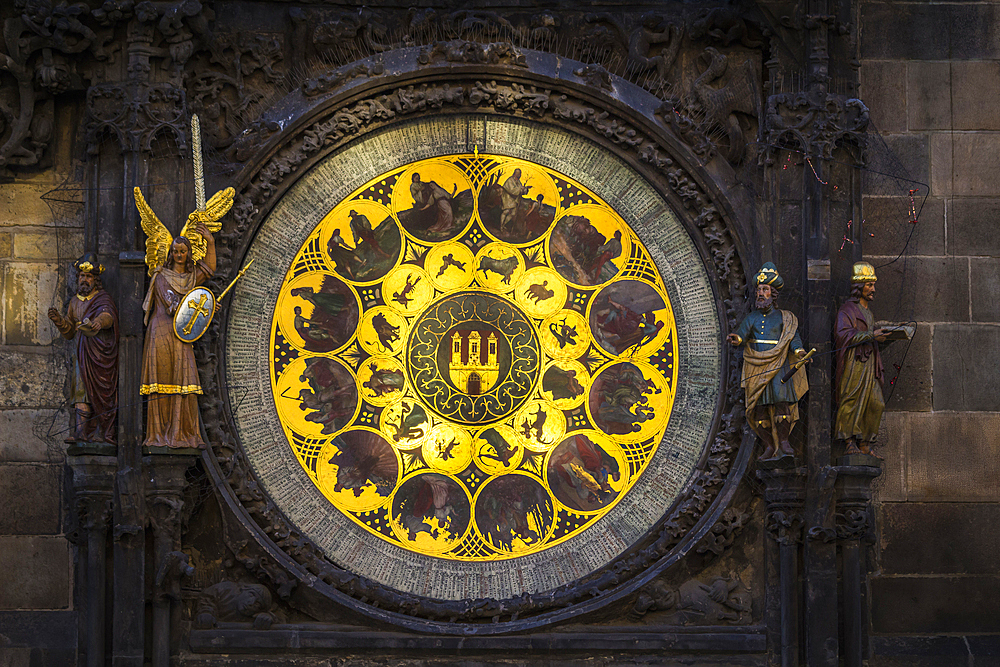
[[771, 348]]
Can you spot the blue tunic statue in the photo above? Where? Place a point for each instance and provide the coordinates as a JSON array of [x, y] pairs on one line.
[[771, 345]]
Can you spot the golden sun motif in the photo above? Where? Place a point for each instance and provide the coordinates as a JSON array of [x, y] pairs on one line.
[[475, 362]]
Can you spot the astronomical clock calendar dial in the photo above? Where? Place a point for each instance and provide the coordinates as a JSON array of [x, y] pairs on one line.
[[473, 357], [474, 369]]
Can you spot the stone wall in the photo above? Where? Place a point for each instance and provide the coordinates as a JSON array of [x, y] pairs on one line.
[[36, 558], [931, 76]]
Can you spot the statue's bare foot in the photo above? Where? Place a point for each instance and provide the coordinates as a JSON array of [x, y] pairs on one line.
[[852, 448], [866, 448]]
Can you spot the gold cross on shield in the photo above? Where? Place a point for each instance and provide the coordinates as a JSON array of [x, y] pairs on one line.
[[199, 309]]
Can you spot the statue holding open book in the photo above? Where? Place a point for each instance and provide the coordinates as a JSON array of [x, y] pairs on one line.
[[859, 375]]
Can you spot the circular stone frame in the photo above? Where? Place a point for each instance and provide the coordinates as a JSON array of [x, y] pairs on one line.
[[665, 166]]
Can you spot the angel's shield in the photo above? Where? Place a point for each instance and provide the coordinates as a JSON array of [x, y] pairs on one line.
[[194, 314]]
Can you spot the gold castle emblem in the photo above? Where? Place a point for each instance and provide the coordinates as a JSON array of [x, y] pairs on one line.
[[474, 367]]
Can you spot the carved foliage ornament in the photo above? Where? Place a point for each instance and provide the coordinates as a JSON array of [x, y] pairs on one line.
[[340, 125], [814, 124]]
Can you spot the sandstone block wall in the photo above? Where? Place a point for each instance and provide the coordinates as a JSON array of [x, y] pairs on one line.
[[931, 75], [36, 558]]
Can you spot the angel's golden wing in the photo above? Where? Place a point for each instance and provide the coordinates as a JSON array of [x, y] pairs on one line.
[[158, 239], [215, 208]]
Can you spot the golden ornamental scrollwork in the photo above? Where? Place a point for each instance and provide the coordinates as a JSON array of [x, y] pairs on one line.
[[473, 357]]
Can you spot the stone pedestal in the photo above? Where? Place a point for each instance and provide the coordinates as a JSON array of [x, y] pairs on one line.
[[784, 495], [93, 479], [165, 483]]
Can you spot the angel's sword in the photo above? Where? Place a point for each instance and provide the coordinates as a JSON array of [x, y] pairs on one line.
[[199, 167], [238, 276]]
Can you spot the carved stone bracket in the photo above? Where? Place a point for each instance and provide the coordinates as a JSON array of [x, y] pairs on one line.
[[784, 495], [93, 510], [93, 490], [854, 514]]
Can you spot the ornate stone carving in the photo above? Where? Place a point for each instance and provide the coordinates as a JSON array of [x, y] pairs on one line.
[[474, 52], [176, 564], [37, 43], [160, 107], [93, 509], [725, 26], [235, 72], [724, 600], [703, 110], [329, 81], [724, 532], [853, 523], [676, 115], [164, 37], [652, 31], [465, 23], [784, 526], [165, 515], [602, 36], [228, 602], [594, 75], [814, 123]]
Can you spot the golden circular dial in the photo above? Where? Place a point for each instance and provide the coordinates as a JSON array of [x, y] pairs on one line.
[[473, 357]]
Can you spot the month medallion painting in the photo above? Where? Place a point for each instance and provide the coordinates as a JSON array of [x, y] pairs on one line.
[[473, 357]]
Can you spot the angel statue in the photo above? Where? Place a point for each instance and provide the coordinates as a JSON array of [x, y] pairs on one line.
[[169, 374]]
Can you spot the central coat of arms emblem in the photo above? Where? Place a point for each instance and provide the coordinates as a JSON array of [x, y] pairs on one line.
[[474, 357]]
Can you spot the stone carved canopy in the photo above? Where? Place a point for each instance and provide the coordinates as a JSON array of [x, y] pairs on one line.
[[540, 111]]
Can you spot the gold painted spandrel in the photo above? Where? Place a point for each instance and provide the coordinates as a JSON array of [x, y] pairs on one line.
[[473, 359]]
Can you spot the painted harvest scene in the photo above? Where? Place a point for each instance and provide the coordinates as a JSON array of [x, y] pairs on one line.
[[473, 357]]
